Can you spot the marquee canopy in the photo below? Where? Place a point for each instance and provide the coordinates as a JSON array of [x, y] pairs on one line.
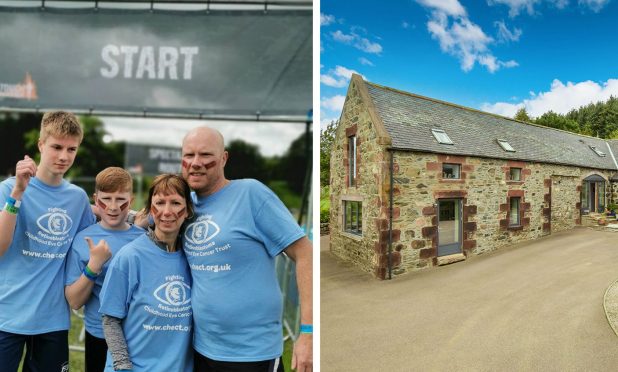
[[217, 64]]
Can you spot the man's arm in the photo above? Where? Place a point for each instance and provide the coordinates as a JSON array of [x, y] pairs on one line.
[[24, 169], [301, 252]]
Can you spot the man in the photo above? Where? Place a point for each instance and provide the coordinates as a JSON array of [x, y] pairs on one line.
[[41, 215], [237, 305]]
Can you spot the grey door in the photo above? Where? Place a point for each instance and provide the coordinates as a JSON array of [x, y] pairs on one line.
[[449, 226]]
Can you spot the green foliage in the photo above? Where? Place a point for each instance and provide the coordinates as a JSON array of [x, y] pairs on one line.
[[245, 161], [12, 128], [325, 204], [296, 162], [327, 138], [554, 120], [522, 115]]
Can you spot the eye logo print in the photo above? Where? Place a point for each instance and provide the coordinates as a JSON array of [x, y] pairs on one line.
[[55, 223], [201, 231], [173, 293]]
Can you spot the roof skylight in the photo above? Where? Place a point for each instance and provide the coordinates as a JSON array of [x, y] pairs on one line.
[[597, 151], [442, 137], [506, 146]]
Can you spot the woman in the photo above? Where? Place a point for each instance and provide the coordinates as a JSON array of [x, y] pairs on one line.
[[146, 296]]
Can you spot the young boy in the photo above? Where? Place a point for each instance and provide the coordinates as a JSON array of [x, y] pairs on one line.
[[87, 262], [42, 213]]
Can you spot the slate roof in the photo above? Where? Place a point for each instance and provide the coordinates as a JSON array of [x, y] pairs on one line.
[[409, 118]]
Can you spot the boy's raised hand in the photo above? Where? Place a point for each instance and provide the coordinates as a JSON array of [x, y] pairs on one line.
[[24, 170], [99, 254]]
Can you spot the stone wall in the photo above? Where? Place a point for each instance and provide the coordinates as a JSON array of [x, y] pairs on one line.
[[368, 251], [550, 202]]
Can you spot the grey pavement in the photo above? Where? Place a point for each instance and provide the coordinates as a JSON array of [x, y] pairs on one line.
[[535, 306]]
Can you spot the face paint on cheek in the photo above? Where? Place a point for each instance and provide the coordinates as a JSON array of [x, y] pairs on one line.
[[123, 207], [181, 213], [155, 211], [185, 164], [101, 205], [210, 164]]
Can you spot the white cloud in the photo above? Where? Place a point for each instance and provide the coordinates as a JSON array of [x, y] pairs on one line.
[[365, 61], [341, 37], [595, 5], [516, 6], [324, 122], [357, 41], [405, 24], [449, 7], [465, 40], [338, 78], [326, 19], [561, 98], [334, 103], [519, 6], [506, 35]]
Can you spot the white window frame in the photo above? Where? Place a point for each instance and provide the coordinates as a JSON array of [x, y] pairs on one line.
[[441, 136], [506, 146], [352, 160], [518, 214]]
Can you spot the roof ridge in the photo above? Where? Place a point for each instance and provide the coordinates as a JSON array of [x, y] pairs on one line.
[[479, 111]]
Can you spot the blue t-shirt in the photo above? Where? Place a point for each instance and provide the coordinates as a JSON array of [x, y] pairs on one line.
[[150, 290], [78, 258], [231, 248], [32, 269]]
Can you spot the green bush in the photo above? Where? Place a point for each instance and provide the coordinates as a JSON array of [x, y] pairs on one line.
[[325, 205]]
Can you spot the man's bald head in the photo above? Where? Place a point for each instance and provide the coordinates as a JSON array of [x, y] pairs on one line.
[[206, 134], [203, 160]]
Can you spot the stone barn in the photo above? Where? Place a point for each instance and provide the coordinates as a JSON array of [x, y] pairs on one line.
[[417, 182]]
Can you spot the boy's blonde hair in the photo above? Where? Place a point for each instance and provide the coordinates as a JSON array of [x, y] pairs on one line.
[[112, 179], [60, 124]]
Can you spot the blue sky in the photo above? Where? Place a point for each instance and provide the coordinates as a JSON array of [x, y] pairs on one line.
[[493, 55]]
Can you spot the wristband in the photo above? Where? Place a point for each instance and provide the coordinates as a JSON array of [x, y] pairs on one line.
[[90, 274], [14, 202], [306, 329], [10, 208]]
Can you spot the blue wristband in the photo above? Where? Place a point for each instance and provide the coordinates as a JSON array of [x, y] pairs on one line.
[[90, 274], [306, 328]]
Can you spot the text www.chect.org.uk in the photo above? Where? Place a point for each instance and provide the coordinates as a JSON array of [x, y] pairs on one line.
[[167, 327], [42, 254]]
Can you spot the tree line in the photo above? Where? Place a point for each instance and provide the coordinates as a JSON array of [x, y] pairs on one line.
[[598, 119]]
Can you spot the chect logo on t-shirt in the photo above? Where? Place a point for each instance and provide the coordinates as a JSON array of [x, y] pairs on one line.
[[53, 231], [173, 301], [200, 243]]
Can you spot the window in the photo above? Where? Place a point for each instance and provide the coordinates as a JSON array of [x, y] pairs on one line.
[[514, 212], [441, 136], [352, 160], [598, 152], [515, 174], [353, 217], [505, 145], [451, 171]]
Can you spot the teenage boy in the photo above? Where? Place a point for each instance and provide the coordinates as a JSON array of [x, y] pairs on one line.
[[88, 257], [42, 213]]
